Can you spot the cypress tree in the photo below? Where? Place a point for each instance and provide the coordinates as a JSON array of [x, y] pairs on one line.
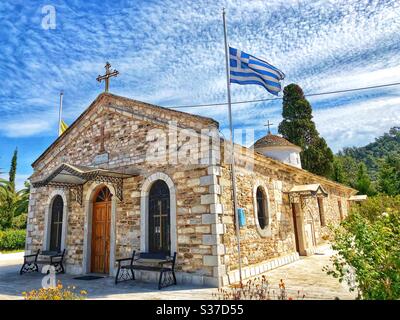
[[298, 127], [13, 170]]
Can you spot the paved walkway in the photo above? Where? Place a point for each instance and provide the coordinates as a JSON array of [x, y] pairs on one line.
[[305, 275]]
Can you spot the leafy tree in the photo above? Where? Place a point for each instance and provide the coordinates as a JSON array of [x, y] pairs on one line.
[[12, 204], [350, 167], [374, 152], [363, 183], [298, 127], [368, 251], [338, 172], [389, 176]]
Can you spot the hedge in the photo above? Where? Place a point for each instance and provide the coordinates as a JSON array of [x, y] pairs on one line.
[[12, 239]]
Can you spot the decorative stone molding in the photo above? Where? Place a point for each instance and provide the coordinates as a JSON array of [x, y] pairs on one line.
[[266, 232], [47, 218], [144, 210]]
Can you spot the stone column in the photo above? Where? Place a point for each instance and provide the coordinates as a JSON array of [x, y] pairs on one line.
[[213, 218]]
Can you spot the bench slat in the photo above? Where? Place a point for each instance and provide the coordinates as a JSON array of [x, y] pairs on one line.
[[146, 268]]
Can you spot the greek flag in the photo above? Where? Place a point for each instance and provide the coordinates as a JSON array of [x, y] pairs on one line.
[[247, 69]]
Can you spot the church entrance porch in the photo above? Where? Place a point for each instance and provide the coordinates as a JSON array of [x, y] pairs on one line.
[[303, 222]]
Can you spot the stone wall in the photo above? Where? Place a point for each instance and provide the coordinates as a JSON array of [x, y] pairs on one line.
[[126, 141], [278, 239]]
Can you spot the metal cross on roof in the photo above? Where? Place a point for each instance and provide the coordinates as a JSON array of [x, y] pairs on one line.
[[269, 126], [107, 76]]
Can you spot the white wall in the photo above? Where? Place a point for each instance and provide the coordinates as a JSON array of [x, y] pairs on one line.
[[288, 155]]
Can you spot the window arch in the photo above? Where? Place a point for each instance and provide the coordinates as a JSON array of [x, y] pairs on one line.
[[261, 200], [144, 210], [56, 223], [159, 218], [262, 212]]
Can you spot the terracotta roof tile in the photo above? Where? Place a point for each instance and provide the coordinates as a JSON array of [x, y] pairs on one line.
[[271, 140]]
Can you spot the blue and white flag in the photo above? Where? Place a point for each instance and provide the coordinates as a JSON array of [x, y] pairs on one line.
[[247, 69]]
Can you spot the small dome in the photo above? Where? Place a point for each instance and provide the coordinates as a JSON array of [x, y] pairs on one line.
[[271, 140], [279, 148]]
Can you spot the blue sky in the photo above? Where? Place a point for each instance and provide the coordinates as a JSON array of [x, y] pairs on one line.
[[171, 53]]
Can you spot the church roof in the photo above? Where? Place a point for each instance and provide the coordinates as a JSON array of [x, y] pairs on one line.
[[308, 188], [360, 197], [271, 140]]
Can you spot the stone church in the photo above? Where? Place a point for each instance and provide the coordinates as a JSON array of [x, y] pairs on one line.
[[130, 175]]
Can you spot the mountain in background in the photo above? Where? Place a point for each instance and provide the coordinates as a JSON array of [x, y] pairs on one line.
[[375, 152]]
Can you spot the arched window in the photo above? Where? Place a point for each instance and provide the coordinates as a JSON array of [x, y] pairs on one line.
[[56, 223], [104, 195], [261, 208], [159, 218]]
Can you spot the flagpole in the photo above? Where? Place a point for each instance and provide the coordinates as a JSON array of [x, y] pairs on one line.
[[60, 113], [228, 85]]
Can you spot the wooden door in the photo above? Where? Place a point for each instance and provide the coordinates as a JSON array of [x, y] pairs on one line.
[[101, 221]]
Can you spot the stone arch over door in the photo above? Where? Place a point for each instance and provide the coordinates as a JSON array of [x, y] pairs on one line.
[[48, 219], [144, 210], [87, 250]]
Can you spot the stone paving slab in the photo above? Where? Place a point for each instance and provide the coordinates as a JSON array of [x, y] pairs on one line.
[[305, 275]]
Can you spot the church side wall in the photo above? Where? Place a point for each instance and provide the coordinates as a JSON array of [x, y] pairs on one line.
[[261, 251]]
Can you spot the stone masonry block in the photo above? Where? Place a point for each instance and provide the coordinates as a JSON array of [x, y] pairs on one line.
[[214, 188], [208, 180], [218, 250], [218, 228], [214, 170], [211, 261], [209, 218], [216, 208], [209, 199], [219, 270], [210, 239]]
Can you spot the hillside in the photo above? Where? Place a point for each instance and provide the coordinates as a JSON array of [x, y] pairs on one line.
[[370, 154]]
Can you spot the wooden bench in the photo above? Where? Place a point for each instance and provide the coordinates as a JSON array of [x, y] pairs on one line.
[[164, 264], [32, 261]]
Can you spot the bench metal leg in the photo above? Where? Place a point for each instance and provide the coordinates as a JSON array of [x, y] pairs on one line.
[[117, 275], [124, 275], [59, 267], [29, 267], [159, 281], [167, 278], [173, 274]]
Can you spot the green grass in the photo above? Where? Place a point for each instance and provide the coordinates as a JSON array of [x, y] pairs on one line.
[[11, 251]]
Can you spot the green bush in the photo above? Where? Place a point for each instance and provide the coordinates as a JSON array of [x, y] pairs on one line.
[[12, 239], [368, 250], [19, 222]]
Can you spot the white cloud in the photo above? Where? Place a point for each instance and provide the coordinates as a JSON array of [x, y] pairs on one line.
[[24, 127], [358, 123]]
